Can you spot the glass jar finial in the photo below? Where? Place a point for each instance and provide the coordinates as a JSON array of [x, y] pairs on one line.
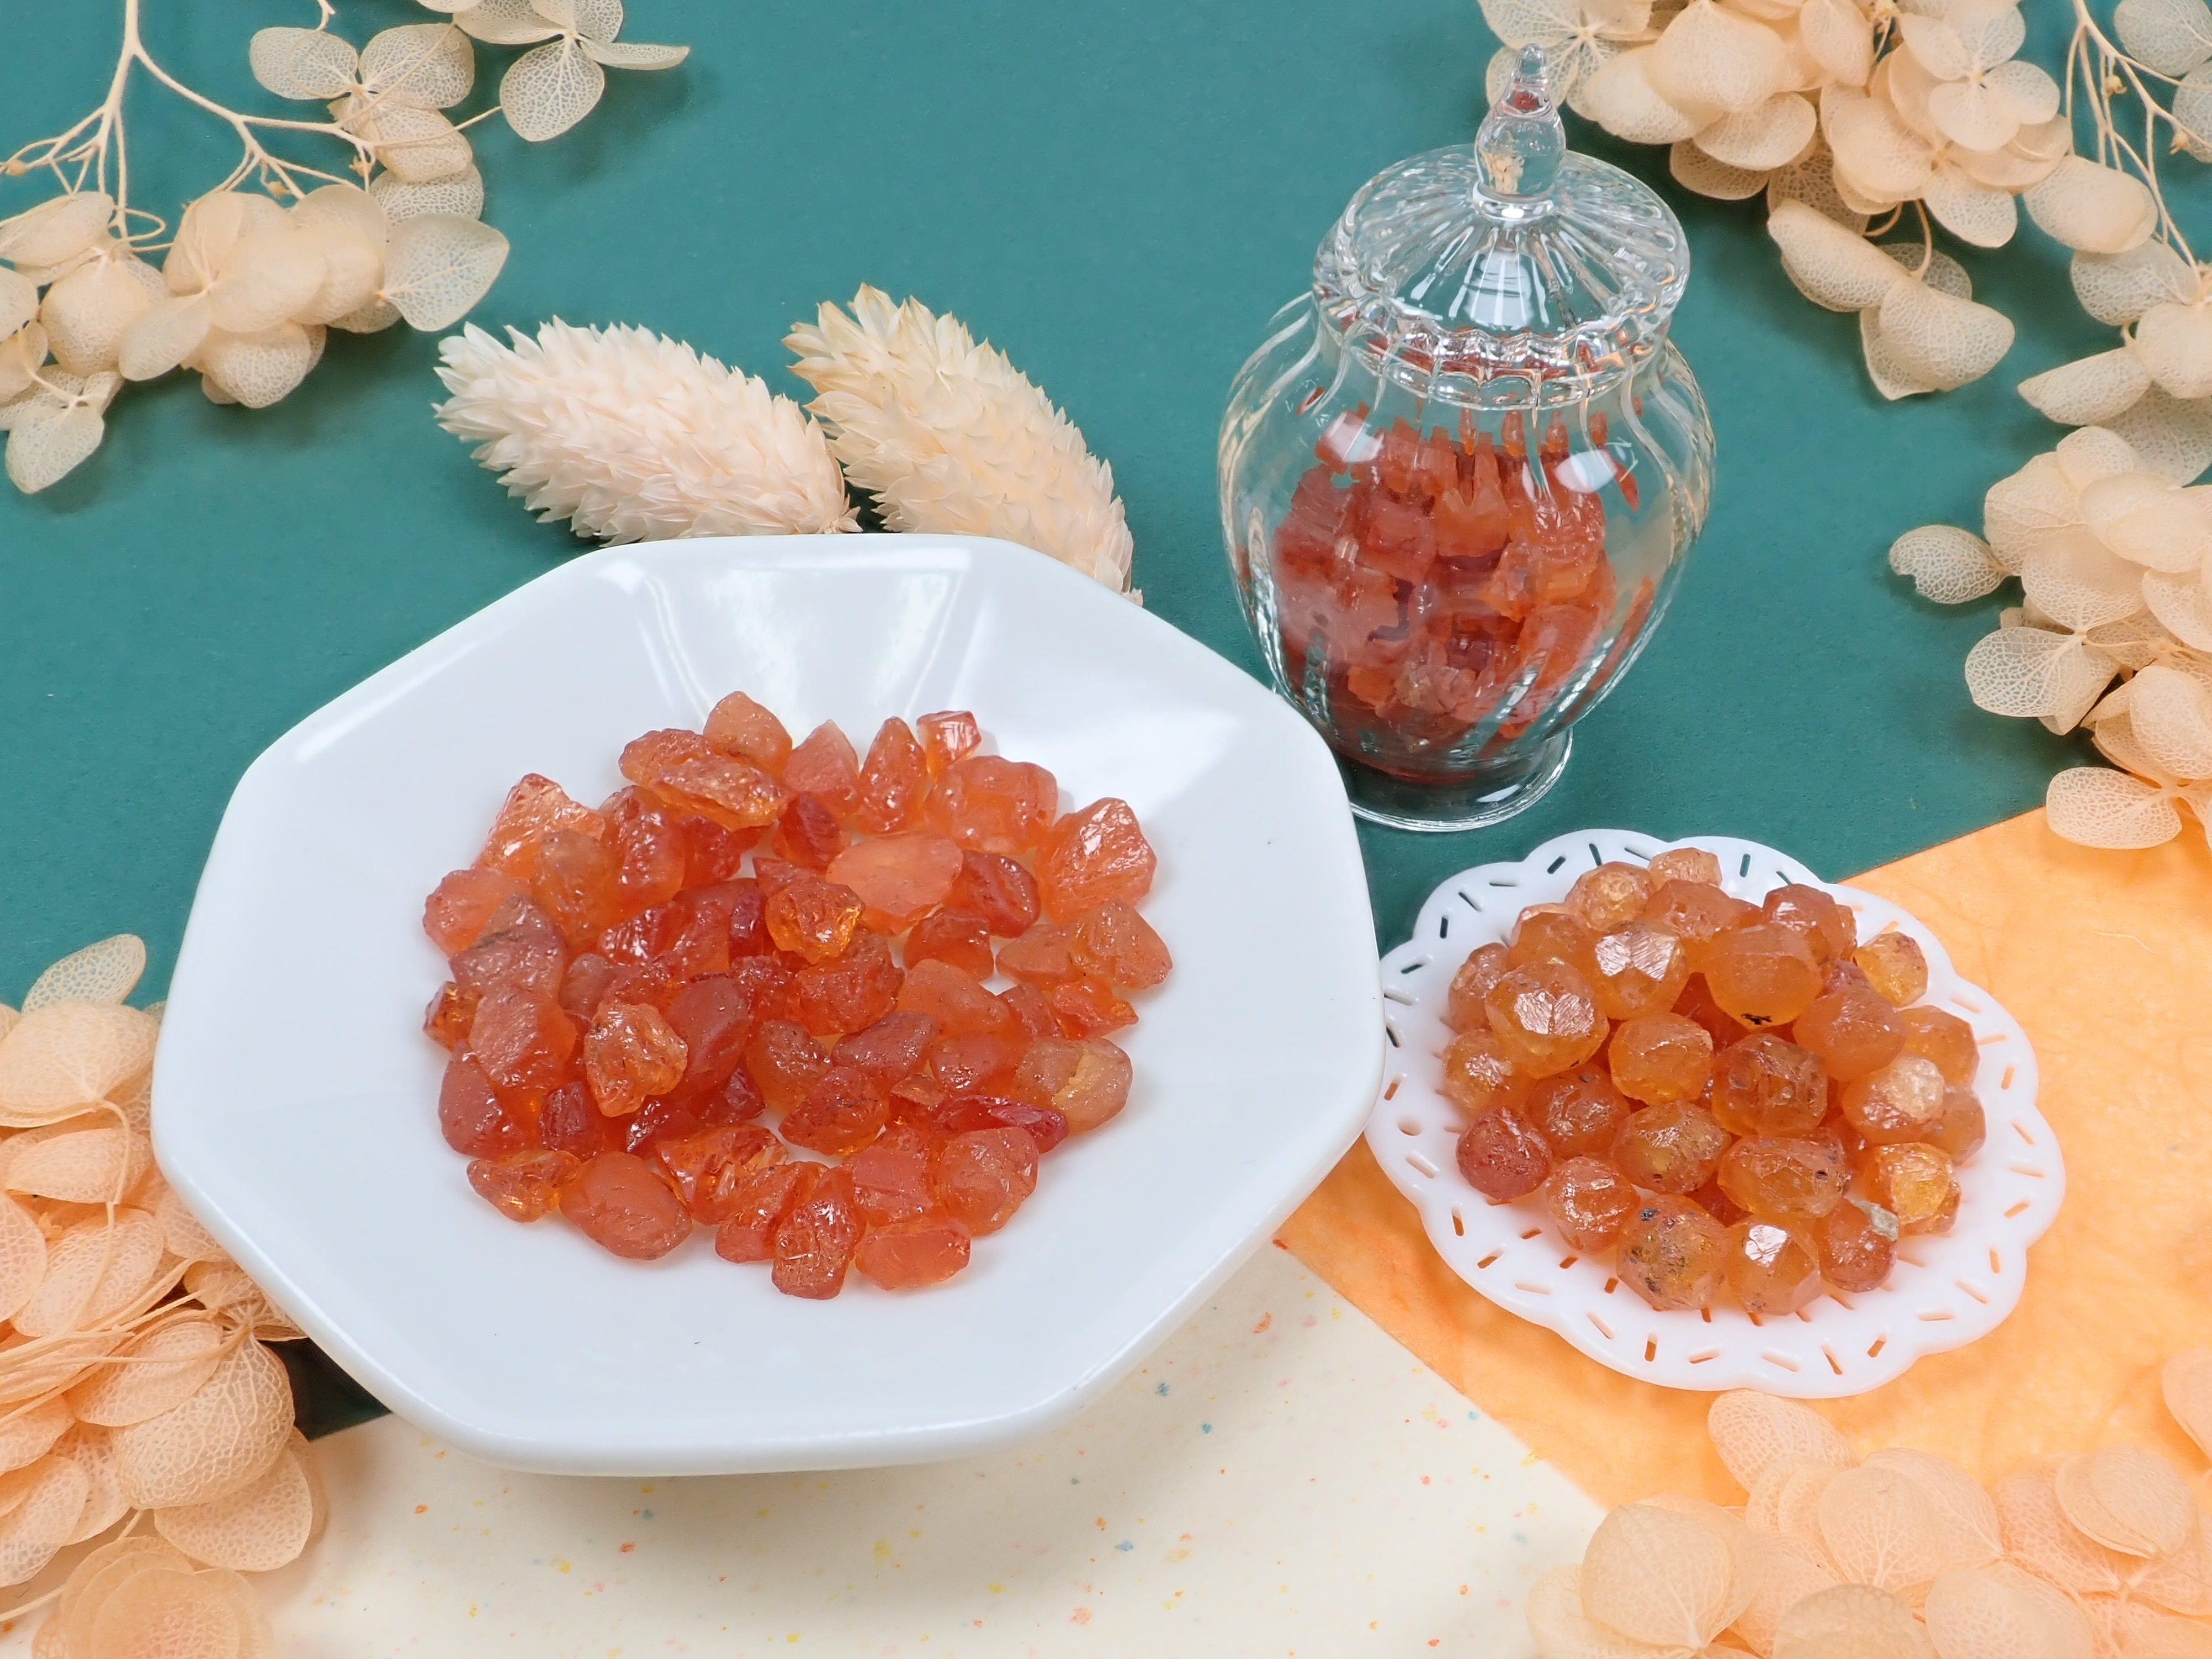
[[1521, 143]]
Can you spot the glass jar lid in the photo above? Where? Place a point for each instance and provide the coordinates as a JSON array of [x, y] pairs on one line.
[[1511, 270]]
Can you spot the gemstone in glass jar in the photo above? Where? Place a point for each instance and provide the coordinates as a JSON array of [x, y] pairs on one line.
[[1675, 1148], [1902, 1101], [1963, 1126], [1639, 968], [1770, 1271], [1479, 1075], [1693, 863], [1483, 968], [1660, 1058], [1673, 1254], [1944, 1038], [1546, 1016], [1914, 1182], [1611, 895], [1589, 1201], [1790, 1181], [1854, 1031], [1857, 1243], [1550, 933], [1699, 913], [1503, 1157], [1825, 926], [1577, 1112], [1896, 966], [1767, 1085], [1762, 974]]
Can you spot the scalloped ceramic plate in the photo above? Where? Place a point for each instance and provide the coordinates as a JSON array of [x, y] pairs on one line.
[[1946, 1289], [296, 1095]]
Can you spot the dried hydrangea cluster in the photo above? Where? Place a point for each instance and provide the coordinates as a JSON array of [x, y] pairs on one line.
[[1842, 114], [1721, 1098], [2113, 552], [1900, 1554], [628, 434], [135, 1388], [264, 265]]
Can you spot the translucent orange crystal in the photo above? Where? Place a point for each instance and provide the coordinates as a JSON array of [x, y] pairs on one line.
[[1484, 968], [1767, 1085], [1675, 1148], [815, 1241], [743, 730], [621, 1203], [1116, 945], [1589, 1201], [1578, 1113], [842, 1110], [893, 779], [1945, 1039], [1815, 916], [954, 937], [1698, 912], [1610, 897], [1857, 1245], [1546, 1016], [827, 767], [1853, 1032], [983, 1176], [993, 804], [1640, 968], [1770, 1270], [1692, 864], [1673, 1254], [1503, 1157], [522, 1187], [1901, 1101], [948, 737], [460, 905], [1479, 1073], [522, 1039], [1660, 1058], [900, 879], [1092, 856], [1551, 932], [632, 1052], [813, 918], [1914, 1184], [1000, 890], [1896, 966], [533, 806], [905, 1256], [1763, 975], [1793, 1182]]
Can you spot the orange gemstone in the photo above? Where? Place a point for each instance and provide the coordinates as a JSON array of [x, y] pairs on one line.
[[953, 937], [708, 1166], [1767, 1085], [575, 885], [519, 945], [452, 1012], [711, 1017], [1479, 1074], [1545, 1018], [1944, 1038], [1503, 1157], [890, 1177], [1896, 965], [1857, 1243], [1640, 969], [993, 804], [1116, 945], [1577, 1112], [1551, 932], [808, 834], [1043, 956], [1770, 1271], [1696, 1004], [1092, 856], [899, 877], [762, 1199], [1675, 1148], [905, 1256], [893, 779], [1963, 1126], [826, 766], [1085, 1008], [523, 1041], [1086, 1082], [621, 1203], [955, 1001], [891, 1048], [1854, 1031], [813, 918], [981, 1176], [1673, 1254], [1610, 897], [1914, 1184], [1901, 1101], [651, 855], [1484, 966], [1826, 927], [1789, 1181], [948, 737], [1692, 864], [978, 1061], [815, 1241], [1763, 975], [1030, 1010], [522, 1187], [842, 1111], [998, 890], [645, 758], [1589, 1202], [460, 905], [783, 1061], [632, 1053], [730, 792], [533, 806], [471, 1116], [1699, 913], [743, 730], [1660, 1058]]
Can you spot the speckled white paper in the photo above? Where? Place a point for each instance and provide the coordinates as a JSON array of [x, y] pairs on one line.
[[1281, 1478]]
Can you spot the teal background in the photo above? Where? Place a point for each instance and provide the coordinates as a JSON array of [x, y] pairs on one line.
[[1118, 196]]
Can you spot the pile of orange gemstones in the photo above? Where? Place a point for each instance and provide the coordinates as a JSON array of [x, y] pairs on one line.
[[753, 930], [1728, 1096]]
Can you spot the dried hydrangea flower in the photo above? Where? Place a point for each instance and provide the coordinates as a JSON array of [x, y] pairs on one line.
[[552, 87]]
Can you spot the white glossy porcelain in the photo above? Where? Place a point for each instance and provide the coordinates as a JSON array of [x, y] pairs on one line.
[[295, 1093]]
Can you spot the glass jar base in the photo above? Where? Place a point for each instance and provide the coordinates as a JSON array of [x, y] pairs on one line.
[[1439, 808]]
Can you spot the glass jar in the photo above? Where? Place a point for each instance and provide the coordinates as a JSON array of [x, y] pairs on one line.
[[1458, 478]]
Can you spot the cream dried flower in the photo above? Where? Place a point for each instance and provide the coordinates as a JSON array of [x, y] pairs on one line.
[[555, 85], [1579, 38], [631, 437], [949, 436]]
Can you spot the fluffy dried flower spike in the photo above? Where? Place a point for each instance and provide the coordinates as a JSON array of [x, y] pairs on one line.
[[631, 437], [949, 436]]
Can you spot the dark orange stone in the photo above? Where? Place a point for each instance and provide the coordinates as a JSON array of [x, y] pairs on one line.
[[1087, 1082], [459, 906], [848, 993], [900, 879], [1698, 912], [1826, 927], [1093, 856], [808, 834], [1589, 1201], [981, 1176], [1484, 966], [993, 804], [813, 918], [649, 845], [570, 1122], [621, 1203], [783, 1061], [533, 806], [974, 1061], [1085, 1008], [1547, 1018], [891, 1048], [948, 737], [1675, 1148], [908, 1254], [1116, 945], [742, 729], [816, 1237], [451, 1012], [524, 1043], [894, 779], [998, 890], [952, 936], [471, 1116], [632, 1052], [1792, 1181], [842, 1110], [1944, 1038], [1767, 1085], [1029, 1009], [1044, 956], [1857, 1245], [1673, 1254], [1763, 975], [522, 1187], [1577, 1112], [519, 945], [891, 1177], [827, 765], [708, 1166], [957, 1002], [762, 1199], [1853, 1032], [1503, 1157]]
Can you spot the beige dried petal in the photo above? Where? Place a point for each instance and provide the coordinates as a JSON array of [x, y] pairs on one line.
[[87, 1166], [1890, 376], [2091, 208], [428, 65], [2089, 391], [1812, 180], [461, 194], [1941, 338], [1965, 1521], [2119, 287], [163, 1614], [261, 1526], [2079, 584], [2127, 1498], [222, 1286], [2182, 606], [1743, 1548], [1851, 1621], [19, 300], [373, 318], [1766, 136], [1789, 1569], [1797, 1508], [93, 1271], [267, 278], [1875, 149], [2012, 168], [41, 454], [22, 355], [353, 270], [169, 332], [439, 266], [2031, 673], [2174, 343], [33, 1531], [22, 1257], [181, 1233], [2180, 1583], [2171, 715], [1830, 265], [212, 226], [2170, 36], [2095, 452], [417, 144], [2186, 1384], [639, 55], [27, 1433], [107, 972], [1618, 96], [1752, 1432], [1879, 1528], [2149, 521], [222, 1436], [2037, 1533], [1708, 57], [150, 1374], [1934, 45], [549, 88], [2192, 113], [1987, 1613], [91, 1450], [502, 22], [1696, 171], [2168, 1638], [1838, 37], [258, 369], [1533, 22], [94, 1579], [1564, 1630], [2171, 436], [1972, 211], [58, 229], [1661, 1576], [305, 64], [1947, 564]]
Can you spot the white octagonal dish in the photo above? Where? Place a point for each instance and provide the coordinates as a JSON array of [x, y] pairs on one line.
[[1945, 1291], [295, 1094]]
